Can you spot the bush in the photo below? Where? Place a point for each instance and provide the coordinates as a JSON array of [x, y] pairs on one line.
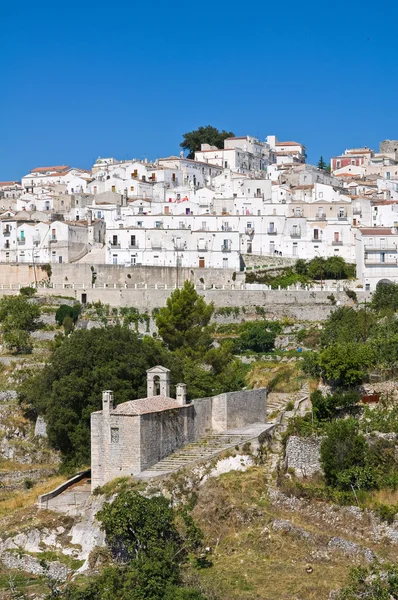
[[343, 454], [351, 294], [258, 336], [28, 292], [65, 310], [385, 297]]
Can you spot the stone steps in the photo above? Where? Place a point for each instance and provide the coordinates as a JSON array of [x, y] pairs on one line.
[[201, 450]]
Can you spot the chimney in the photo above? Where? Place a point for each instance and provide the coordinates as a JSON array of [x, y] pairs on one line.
[[89, 218], [181, 393], [107, 401]]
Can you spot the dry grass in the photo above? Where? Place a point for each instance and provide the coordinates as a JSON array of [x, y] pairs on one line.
[[252, 561], [14, 501], [276, 376]]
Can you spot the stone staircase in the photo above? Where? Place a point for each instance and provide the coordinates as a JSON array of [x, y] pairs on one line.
[[95, 256], [204, 449]]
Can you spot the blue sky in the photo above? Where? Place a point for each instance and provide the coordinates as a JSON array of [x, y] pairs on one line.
[[126, 79]]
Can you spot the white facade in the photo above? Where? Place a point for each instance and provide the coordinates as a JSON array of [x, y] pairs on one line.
[[377, 256]]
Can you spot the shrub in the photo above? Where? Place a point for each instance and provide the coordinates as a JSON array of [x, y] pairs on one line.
[[65, 310], [351, 294], [258, 336], [343, 454], [28, 292]]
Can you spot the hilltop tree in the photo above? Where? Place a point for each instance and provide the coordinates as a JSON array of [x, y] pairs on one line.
[[204, 135], [321, 164], [69, 388], [183, 322]]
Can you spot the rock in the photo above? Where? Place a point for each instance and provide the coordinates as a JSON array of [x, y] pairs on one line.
[[7, 395], [288, 527], [350, 548], [30, 564], [40, 427], [303, 455]]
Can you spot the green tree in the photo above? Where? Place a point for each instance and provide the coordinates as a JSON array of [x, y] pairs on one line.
[[203, 135], [342, 449], [258, 336], [183, 322], [317, 268], [345, 364], [321, 164], [136, 526], [18, 313], [385, 297], [347, 324], [18, 317], [69, 388], [67, 311], [301, 267]]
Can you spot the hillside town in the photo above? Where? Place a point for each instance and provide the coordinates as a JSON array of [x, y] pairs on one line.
[[250, 197]]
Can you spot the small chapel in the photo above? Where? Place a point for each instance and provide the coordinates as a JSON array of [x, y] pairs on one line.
[[130, 438]]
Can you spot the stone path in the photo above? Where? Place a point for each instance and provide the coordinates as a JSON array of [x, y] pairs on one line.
[[72, 500], [205, 449]]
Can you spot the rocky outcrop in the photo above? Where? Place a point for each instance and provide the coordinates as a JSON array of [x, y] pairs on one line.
[[303, 455], [30, 564]]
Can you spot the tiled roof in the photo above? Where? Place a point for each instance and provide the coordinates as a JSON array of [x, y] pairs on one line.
[[5, 183], [55, 168], [288, 144], [377, 231], [144, 406]]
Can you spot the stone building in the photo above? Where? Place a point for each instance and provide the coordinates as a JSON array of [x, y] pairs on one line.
[[135, 435]]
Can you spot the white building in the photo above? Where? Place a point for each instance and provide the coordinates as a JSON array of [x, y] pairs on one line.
[[377, 255]]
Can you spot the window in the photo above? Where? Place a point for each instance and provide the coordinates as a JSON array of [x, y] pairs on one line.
[[336, 237], [338, 164], [22, 235], [204, 225], [133, 259], [132, 240], [139, 223], [295, 249], [114, 240], [132, 188], [225, 263], [114, 435], [272, 247], [321, 194], [114, 259], [316, 234], [113, 188], [158, 224]]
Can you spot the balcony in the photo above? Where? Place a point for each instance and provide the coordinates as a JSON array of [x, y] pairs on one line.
[[6, 231], [320, 217], [389, 248], [115, 246], [203, 246], [21, 241], [156, 245], [53, 238], [272, 231], [134, 246], [316, 240], [226, 247], [36, 239], [7, 245], [342, 218], [295, 233], [249, 230], [337, 243], [226, 228], [357, 211]]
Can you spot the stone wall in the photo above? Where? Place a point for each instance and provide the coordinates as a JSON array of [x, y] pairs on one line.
[[164, 432], [238, 409], [303, 455]]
